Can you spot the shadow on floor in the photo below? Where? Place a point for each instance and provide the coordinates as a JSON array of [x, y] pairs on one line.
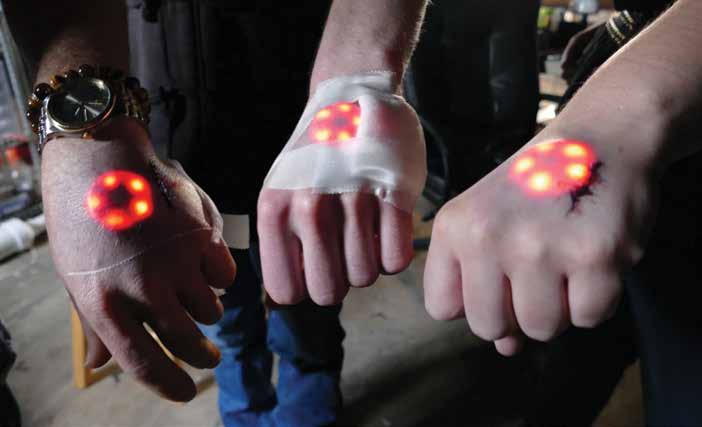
[[566, 382]]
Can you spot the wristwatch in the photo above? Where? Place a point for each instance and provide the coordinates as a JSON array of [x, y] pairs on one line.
[[75, 104]]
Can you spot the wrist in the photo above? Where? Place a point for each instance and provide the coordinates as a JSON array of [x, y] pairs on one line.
[[126, 129], [628, 125], [356, 61], [123, 135]]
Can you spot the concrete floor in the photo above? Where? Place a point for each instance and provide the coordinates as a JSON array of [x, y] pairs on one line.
[[402, 368]]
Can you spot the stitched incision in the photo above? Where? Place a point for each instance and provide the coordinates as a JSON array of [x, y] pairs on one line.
[[139, 253]]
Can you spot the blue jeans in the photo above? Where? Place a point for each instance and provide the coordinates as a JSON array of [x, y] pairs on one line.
[[306, 337]]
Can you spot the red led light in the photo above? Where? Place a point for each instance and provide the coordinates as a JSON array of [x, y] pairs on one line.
[[336, 123], [119, 199], [554, 168]]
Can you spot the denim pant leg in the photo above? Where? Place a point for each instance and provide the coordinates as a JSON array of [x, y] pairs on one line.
[[308, 339], [246, 395]]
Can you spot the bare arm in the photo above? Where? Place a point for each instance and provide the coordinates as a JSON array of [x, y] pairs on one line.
[[368, 35], [651, 88], [517, 260], [121, 278], [346, 239]]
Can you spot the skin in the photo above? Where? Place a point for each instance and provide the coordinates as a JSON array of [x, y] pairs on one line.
[[318, 246], [165, 287], [518, 266], [359, 36]]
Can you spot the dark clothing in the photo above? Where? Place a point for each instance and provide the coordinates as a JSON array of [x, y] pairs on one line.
[[9, 411], [666, 302], [228, 81], [650, 7], [664, 290], [7, 355], [473, 80]]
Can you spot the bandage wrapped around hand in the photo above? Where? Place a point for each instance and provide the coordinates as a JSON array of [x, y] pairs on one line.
[[355, 135]]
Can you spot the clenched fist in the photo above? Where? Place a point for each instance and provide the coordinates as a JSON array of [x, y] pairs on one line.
[[539, 243]]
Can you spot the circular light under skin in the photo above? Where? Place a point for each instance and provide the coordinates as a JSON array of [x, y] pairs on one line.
[[336, 123], [553, 168], [119, 199]]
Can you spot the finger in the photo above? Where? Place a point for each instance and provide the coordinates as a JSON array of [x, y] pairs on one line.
[[218, 265], [443, 296], [487, 300], [395, 238], [281, 252], [511, 345], [318, 225], [97, 354], [138, 354], [360, 250], [199, 300], [540, 302], [593, 296], [181, 336]]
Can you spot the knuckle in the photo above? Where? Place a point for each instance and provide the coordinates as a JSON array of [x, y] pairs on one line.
[[396, 262], [443, 222], [330, 297], [586, 314], [540, 330], [479, 232], [489, 332], [542, 335], [308, 207], [596, 253], [531, 245], [439, 310], [364, 278], [271, 210], [101, 302], [355, 202], [285, 295]]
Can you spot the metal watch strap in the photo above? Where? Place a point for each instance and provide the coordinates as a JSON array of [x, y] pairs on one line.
[[131, 100]]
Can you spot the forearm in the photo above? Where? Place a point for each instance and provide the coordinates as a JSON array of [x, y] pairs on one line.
[[646, 99], [58, 35], [368, 35]]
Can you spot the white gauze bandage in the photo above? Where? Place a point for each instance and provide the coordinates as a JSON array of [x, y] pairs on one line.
[[355, 135]]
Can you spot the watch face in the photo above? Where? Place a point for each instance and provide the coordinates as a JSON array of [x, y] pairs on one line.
[[82, 102]]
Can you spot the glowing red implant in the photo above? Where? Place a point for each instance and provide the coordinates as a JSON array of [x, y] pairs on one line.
[[119, 199], [554, 168], [336, 123]]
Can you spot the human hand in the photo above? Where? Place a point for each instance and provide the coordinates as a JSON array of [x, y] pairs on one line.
[[135, 241], [335, 210], [522, 252]]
